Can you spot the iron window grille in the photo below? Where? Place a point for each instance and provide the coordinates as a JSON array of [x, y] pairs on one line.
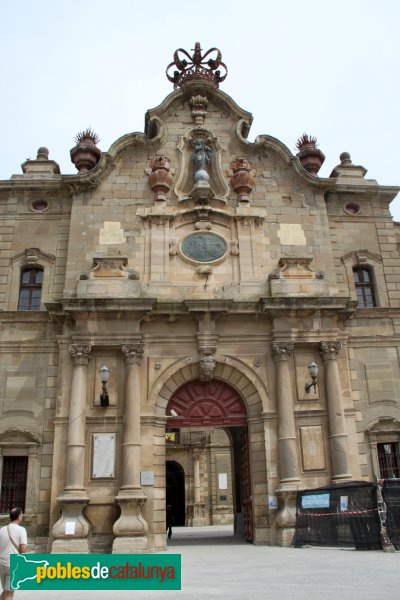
[[13, 482]]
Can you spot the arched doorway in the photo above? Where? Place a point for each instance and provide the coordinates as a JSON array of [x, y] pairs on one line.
[[205, 404], [175, 490]]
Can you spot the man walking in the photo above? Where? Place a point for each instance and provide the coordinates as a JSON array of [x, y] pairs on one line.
[[13, 540], [169, 520]]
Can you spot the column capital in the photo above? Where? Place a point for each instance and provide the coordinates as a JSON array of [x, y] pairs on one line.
[[196, 455], [133, 353], [80, 353], [329, 350], [282, 351]]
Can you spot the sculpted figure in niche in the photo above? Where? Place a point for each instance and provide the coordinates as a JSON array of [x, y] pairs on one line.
[[201, 158]]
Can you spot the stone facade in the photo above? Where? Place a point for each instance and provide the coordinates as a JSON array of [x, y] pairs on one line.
[[190, 256]]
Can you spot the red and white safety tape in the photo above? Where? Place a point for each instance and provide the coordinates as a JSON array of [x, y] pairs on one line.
[[344, 513]]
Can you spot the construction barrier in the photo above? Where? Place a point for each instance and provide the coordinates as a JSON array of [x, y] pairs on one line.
[[339, 515], [391, 497]]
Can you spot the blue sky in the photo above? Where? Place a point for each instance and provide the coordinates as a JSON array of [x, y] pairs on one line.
[[329, 68]]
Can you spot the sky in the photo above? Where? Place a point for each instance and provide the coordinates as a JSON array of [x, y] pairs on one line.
[[327, 68]]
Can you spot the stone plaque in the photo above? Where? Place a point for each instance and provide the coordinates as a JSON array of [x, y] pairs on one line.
[[223, 481], [204, 247], [103, 455], [147, 478], [312, 448]]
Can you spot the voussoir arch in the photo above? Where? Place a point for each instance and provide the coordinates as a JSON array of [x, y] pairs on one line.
[[252, 391]]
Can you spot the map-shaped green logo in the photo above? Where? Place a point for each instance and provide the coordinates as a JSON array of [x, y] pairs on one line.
[[24, 569]]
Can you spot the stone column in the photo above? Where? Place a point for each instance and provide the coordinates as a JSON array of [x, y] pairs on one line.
[[130, 528], [198, 505], [337, 429], [196, 476], [73, 537], [287, 448]]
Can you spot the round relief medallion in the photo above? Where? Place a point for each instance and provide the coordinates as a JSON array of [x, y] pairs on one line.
[[204, 247], [352, 208], [40, 205]]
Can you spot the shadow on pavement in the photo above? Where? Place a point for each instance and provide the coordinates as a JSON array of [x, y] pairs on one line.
[[217, 535]]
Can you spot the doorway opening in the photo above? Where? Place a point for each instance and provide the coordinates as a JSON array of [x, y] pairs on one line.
[[175, 492], [207, 433]]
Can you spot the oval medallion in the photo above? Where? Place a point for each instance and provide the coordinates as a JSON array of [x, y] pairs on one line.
[[204, 247]]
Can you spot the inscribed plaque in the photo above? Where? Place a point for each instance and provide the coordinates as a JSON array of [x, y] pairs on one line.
[[147, 478], [103, 455], [204, 247], [312, 448]]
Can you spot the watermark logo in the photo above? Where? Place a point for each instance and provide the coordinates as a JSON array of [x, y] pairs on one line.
[[95, 571]]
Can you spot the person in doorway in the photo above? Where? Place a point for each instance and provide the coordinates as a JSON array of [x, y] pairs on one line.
[[169, 519], [13, 540]]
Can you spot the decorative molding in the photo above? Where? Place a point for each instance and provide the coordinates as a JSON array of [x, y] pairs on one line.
[[199, 106], [110, 266], [33, 256], [361, 257], [17, 432]]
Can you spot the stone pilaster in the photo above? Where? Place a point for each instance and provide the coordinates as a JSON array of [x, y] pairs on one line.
[[73, 537], [130, 528], [337, 429], [287, 448]]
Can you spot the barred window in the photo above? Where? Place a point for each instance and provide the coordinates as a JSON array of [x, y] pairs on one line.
[[13, 482], [389, 460], [364, 287], [30, 289]]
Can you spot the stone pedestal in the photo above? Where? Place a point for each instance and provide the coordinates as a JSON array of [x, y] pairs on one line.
[[72, 512], [130, 528], [286, 517]]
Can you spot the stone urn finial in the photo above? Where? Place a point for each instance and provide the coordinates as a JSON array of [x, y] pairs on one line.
[[85, 155], [309, 154], [242, 178], [160, 177], [42, 153]]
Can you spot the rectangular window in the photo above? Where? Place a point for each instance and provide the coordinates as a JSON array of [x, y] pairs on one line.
[[364, 287], [30, 290], [13, 482], [389, 460]]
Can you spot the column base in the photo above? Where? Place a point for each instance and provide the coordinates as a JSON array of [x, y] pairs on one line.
[[199, 516], [289, 485], [346, 477], [72, 528], [130, 528], [130, 545], [70, 546]]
